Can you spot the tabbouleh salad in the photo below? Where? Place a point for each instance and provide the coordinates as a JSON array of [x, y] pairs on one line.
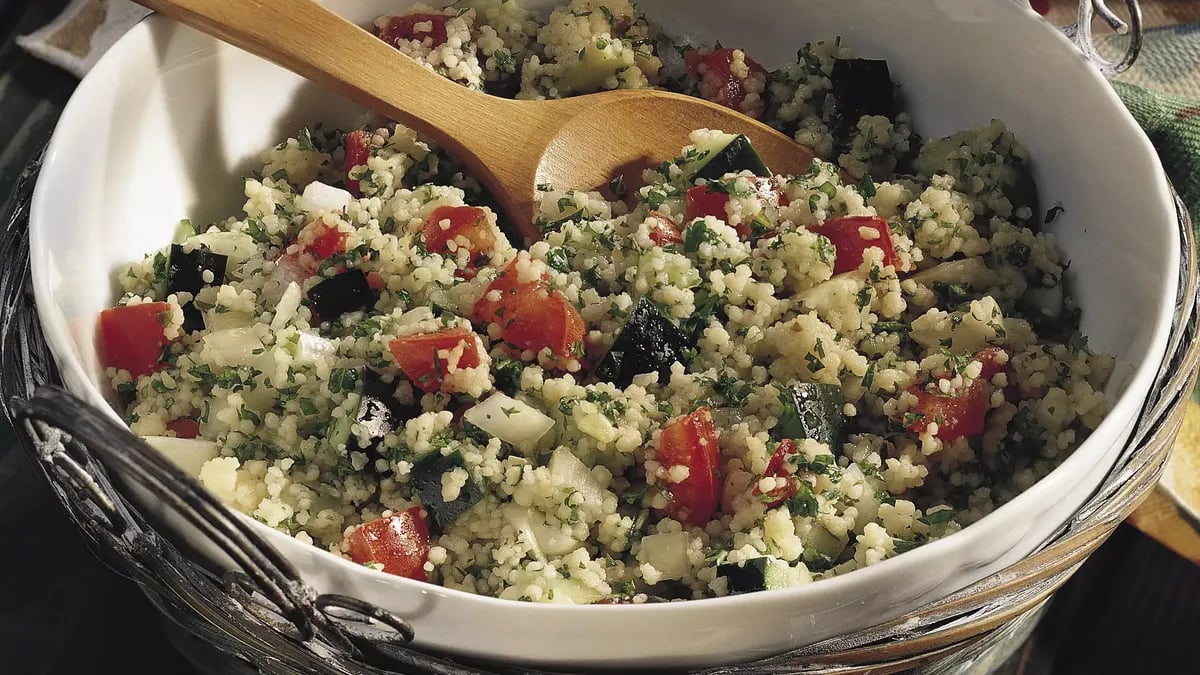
[[725, 381]]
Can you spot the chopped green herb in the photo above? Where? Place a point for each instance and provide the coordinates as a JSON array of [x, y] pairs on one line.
[[734, 391], [617, 186], [344, 380], [869, 378], [304, 138], [559, 258], [937, 517], [160, 268], [804, 502], [867, 187], [505, 63]]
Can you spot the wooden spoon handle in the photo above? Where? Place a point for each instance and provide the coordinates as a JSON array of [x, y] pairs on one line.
[[317, 44]]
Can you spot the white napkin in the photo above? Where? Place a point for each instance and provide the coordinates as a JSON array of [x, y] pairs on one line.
[[83, 32]]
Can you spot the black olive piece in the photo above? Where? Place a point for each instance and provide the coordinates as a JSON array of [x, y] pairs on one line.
[[860, 87], [379, 413], [426, 481], [185, 273], [648, 343], [346, 292]]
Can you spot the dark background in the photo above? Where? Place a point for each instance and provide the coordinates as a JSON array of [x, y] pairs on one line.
[[1133, 608]]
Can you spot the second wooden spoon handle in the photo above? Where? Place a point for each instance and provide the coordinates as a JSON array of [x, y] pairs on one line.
[[317, 44]]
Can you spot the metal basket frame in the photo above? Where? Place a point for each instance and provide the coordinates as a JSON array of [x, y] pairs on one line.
[[266, 616]]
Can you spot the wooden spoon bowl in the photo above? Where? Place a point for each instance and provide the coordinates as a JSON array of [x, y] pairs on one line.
[[510, 146]]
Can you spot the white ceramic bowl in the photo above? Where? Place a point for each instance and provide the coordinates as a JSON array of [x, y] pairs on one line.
[[169, 119]]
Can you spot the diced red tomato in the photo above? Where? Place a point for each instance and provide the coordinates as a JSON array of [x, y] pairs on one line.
[[399, 542], [961, 414], [701, 202], [718, 83], [1040, 6], [847, 238], [545, 319], [184, 428], [298, 263], [376, 281], [466, 222], [132, 336], [420, 359], [663, 230], [956, 415], [989, 357], [329, 240], [415, 27], [358, 148], [691, 441], [494, 307], [777, 467], [531, 315]]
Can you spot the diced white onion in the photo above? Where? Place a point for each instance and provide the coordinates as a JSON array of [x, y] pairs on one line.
[[233, 347], [667, 552], [314, 348], [188, 454], [518, 517], [571, 591], [216, 321], [510, 420], [567, 468], [237, 246], [286, 308], [971, 271], [321, 197]]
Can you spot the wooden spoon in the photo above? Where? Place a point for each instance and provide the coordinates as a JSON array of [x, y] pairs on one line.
[[510, 146]]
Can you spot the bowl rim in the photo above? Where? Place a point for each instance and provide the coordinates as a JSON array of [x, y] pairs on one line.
[[1121, 412]]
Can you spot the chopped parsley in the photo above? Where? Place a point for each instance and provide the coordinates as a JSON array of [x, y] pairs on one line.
[[618, 188], [937, 517], [505, 63], [609, 407], [507, 373], [559, 258], [698, 233], [304, 138], [804, 502], [343, 380], [734, 391], [160, 268], [867, 187]]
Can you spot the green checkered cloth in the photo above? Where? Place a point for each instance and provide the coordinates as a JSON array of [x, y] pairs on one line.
[[1162, 91], [1173, 125]]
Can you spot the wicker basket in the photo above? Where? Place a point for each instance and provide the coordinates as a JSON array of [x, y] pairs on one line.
[[264, 618]]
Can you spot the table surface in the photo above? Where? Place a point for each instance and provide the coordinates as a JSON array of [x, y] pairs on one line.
[[1133, 607]]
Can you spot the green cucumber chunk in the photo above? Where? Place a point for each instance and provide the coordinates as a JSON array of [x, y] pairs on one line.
[[812, 410], [755, 574], [183, 231], [726, 153]]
